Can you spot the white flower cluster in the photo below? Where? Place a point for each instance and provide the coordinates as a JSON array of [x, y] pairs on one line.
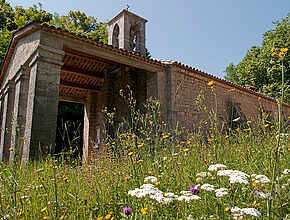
[[203, 174], [156, 194], [188, 198], [262, 195], [207, 187], [215, 167], [260, 178], [286, 171], [221, 192], [236, 176], [240, 213], [152, 179]]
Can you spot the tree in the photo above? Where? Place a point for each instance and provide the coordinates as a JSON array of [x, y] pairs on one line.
[[76, 21], [259, 68]]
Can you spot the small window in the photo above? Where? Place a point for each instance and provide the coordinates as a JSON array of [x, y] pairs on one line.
[[116, 36], [134, 37]]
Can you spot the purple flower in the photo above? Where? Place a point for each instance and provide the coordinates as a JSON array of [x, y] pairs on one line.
[[194, 190], [127, 210], [138, 157]]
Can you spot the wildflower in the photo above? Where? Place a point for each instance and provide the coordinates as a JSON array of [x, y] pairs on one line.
[[207, 187], [100, 218], [20, 213], [129, 154], [215, 167], [262, 195], [274, 54], [169, 194], [153, 179], [66, 178], [44, 209], [126, 178], [194, 190], [203, 174], [273, 49], [188, 198], [11, 148], [61, 217], [221, 192], [185, 193], [251, 211], [157, 183], [227, 209], [185, 149], [149, 172], [45, 217], [144, 211], [286, 171], [284, 50], [255, 203], [281, 54], [210, 83], [127, 210], [108, 216], [266, 125], [260, 178]]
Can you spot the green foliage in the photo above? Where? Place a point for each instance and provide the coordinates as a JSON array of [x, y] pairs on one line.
[[66, 190], [76, 21], [79, 23], [257, 69]]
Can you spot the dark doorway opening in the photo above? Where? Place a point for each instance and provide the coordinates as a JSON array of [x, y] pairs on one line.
[[69, 134]]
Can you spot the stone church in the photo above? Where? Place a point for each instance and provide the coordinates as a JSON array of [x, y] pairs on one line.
[[45, 65]]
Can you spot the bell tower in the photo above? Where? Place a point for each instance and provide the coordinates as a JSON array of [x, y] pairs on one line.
[[127, 31]]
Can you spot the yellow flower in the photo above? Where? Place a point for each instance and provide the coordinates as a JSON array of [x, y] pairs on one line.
[[129, 154], [64, 179], [108, 216], [20, 213], [149, 172], [274, 54], [157, 183], [45, 217], [266, 125], [273, 49], [44, 209], [61, 217], [100, 218], [254, 184], [284, 50], [227, 209], [281, 54], [11, 149], [186, 149], [126, 178], [144, 211], [210, 83], [112, 218], [255, 204]]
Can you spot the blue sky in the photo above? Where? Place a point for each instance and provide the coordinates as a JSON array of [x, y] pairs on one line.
[[205, 34]]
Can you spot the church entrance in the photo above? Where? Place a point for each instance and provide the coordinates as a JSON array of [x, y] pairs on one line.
[[69, 132]]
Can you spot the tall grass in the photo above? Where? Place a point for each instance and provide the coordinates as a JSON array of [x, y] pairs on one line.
[[54, 189]]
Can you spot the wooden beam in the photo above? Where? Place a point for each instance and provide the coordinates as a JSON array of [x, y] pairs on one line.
[[97, 76], [72, 98], [79, 86]]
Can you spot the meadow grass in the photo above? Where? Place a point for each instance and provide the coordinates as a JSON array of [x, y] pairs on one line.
[[55, 188]]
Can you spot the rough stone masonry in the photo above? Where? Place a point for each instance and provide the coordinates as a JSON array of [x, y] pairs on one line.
[[45, 65]]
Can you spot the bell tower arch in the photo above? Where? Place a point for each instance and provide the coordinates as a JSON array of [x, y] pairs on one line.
[[127, 31]]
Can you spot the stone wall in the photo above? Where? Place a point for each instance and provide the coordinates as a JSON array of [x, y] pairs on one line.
[[227, 100]]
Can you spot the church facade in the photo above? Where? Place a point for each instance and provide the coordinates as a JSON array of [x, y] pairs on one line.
[[45, 65]]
